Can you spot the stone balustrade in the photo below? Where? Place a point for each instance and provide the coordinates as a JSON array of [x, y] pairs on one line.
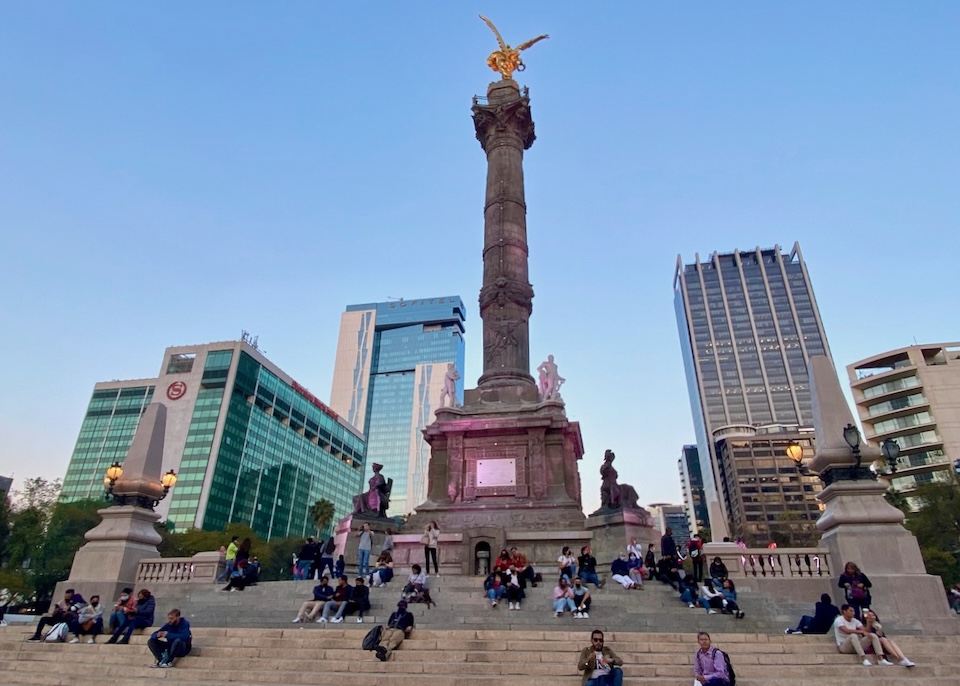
[[201, 568], [787, 563]]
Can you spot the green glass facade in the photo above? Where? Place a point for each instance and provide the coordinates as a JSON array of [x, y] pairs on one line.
[[256, 448], [105, 436]]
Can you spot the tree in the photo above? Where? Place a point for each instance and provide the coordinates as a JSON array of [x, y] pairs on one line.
[[897, 499], [322, 513], [37, 493], [791, 530], [936, 524]]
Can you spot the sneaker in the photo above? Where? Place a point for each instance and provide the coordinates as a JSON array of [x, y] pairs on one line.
[[711, 611], [34, 639], [558, 614], [155, 665], [322, 620], [359, 620], [511, 606], [493, 603], [577, 615], [90, 640], [585, 615], [603, 582], [906, 663], [337, 620], [166, 665], [75, 640], [867, 663], [689, 604], [885, 662], [381, 653], [297, 620], [788, 632]]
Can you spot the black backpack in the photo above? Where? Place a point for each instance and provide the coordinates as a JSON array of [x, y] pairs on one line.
[[730, 672], [372, 639]]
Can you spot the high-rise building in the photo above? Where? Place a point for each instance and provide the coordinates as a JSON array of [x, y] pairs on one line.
[[5, 484], [748, 323], [767, 497], [248, 442], [673, 516], [391, 362], [691, 484], [912, 395]]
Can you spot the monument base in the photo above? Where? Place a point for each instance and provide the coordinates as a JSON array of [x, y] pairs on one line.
[[109, 560], [860, 526], [345, 536], [611, 531]]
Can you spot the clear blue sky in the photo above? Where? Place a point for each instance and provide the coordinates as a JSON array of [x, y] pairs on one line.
[[174, 172]]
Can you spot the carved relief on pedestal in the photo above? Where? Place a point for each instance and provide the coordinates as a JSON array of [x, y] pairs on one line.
[[504, 337], [455, 460], [503, 291], [538, 464]]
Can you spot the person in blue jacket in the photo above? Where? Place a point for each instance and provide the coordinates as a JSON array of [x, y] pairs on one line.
[[172, 640], [139, 618]]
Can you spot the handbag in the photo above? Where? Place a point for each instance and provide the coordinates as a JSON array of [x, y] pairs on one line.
[[425, 539], [88, 625], [57, 634]]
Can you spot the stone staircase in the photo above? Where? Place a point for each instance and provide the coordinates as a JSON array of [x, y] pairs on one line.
[[247, 636], [484, 657], [461, 604]]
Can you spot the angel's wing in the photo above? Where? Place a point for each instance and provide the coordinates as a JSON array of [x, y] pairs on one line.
[[503, 46], [524, 46]]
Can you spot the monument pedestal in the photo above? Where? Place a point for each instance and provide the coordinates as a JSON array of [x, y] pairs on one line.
[[109, 560], [611, 531], [347, 541]]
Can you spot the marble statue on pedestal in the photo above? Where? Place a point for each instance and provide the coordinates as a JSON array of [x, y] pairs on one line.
[[550, 380], [449, 391], [614, 496], [376, 500]]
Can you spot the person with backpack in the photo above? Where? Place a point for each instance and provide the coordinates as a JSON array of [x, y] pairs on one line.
[[856, 586], [399, 627], [63, 613], [711, 666], [326, 557], [695, 550]]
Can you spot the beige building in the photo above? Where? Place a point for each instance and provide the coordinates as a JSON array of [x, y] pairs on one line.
[[912, 395]]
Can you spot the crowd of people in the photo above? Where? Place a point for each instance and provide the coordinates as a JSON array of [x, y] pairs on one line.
[[74, 615]]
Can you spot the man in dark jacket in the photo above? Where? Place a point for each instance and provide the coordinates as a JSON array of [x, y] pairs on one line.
[[399, 627], [171, 641], [322, 592], [325, 558], [64, 611], [822, 620], [587, 568], [307, 558], [359, 600], [139, 618], [668, 547]]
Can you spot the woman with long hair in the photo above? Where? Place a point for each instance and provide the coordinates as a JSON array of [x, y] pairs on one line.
[[856, 587], [430, 539], [872, 624]]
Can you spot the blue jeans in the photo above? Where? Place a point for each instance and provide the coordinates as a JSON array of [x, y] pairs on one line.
[[590, 578], [614, 678], [561, 604], [122, 635], [363, 562], [569, 573], [688, 596], [227, 571], [303, 568], [497, 594], [717, 681]]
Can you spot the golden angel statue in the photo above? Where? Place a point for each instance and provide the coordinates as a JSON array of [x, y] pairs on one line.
[[507, 60]]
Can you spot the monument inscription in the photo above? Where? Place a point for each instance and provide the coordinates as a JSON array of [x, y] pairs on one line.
[[498, 472]]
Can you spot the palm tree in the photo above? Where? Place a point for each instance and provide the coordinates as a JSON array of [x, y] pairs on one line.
[[322, 513]]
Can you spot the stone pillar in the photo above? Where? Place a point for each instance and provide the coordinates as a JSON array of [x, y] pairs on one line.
[[860, 526], [125, 534], [504, 128]]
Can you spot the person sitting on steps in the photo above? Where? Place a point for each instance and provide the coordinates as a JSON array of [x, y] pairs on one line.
[[635, 566], [141, 618], [620, 571], [359, 600], [415, 582], [823, 615], [525, 569], [341, 596], [587, 564], [171, 641], [515, 592], [718, 571], [495, 586], [599, 664], [382, 575], [852, 637], [567, 564], [399, 626], [89, 621], [729, 603], [890, 649], [562, 598], [503, 561], [581, 599], [126, 601], [64, 611], [322, 592], [690, 593]]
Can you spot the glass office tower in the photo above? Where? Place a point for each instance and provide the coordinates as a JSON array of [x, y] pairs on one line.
[[748, 323], [248, 442], [691, 485], [391, 361]]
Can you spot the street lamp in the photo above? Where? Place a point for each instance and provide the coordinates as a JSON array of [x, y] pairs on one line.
[[795, 452], [890, 449], [114, 472], [168, 481], [852, 436]]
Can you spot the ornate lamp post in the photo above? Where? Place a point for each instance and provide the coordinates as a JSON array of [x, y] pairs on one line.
[[146, 498], [891, 450]]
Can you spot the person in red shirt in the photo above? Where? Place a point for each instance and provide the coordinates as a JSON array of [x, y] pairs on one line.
[[523, 568]]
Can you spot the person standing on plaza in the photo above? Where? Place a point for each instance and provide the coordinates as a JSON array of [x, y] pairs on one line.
[[599, 664], [695, 550], [325, 556], [387, 546], [668, 547], [430, 539], [709, 664], [363, 549], [229, 557], [307, 558]]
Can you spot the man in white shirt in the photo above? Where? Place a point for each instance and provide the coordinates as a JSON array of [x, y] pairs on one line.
[[852, 637]]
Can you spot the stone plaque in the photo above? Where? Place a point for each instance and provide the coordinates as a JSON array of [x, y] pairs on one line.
[[493, 473]]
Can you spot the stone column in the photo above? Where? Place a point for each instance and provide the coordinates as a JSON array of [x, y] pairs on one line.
[[860, 526], [504, 128]]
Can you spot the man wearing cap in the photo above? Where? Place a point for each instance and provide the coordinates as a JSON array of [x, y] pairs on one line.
[[398, 628]]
